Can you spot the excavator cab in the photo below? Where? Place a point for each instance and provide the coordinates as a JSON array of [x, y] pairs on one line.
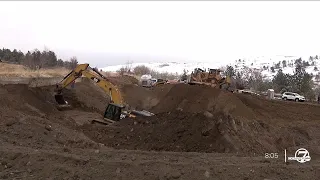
[[113, 112]]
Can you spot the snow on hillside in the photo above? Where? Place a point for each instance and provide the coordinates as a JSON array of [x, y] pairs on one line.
[[170, 67], [247, 65], [264, 64]]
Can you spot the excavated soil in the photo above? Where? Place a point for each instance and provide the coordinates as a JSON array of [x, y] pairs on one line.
[[123, 80], [202, 119], [199, 99], [87, 96], [29, 117], [90, 97], [144, 98], [40, 142]]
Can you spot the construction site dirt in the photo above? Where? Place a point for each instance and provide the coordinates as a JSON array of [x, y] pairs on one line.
[[197, 133]]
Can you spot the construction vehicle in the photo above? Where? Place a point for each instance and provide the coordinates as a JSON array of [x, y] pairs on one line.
[[147, 81], [115, 110], [212, 78], [160, 82]]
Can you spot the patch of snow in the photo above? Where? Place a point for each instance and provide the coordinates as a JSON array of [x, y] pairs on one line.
[[246, 65]]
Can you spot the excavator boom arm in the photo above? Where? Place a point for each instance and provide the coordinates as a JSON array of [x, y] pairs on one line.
[[98, 78], [72, 76], [107, 86]]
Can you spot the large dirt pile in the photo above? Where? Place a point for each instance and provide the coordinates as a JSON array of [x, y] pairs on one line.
[[203, 119], [281, 111], [188, 118], [197, 99], [87, 96], [33, 134], [29, 118], [144, 98], [178, 131], [123, 80]]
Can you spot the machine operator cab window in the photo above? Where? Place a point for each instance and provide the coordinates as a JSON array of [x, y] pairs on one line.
[[214, 71], [113, 112]]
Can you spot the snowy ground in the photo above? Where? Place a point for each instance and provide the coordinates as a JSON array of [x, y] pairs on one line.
[[261, 64]]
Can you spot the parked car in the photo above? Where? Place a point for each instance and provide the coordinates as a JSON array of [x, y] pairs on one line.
[[293, 97]]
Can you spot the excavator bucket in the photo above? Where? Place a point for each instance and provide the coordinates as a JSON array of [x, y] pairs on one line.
[[60, 99], [62, 104]]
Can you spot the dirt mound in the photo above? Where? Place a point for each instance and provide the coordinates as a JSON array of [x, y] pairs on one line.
[[195, 99], [174, 131], [123, 80], [29, 117], [196, 132], [144, 98], [183, 132], [87, 96], [283, 110], [203, 119], [22, 97], [189, 118], [33, 134]]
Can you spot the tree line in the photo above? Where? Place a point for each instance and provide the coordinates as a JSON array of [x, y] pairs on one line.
[[142, 69], [300, 81], [36, 59]]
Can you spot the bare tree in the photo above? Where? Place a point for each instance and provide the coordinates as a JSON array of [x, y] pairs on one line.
[[129, 66], [141, 70]]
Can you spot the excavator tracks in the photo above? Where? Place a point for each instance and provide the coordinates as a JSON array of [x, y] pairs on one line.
[[106, 122]]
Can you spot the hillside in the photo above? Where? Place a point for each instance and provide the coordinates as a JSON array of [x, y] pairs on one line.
[[16, 70], [247, 65], [286, 63]]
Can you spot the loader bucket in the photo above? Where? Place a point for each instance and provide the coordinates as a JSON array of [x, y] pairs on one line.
[[60, 99]]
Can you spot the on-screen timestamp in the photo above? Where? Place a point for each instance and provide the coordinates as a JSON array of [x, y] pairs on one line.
[[271, 155]]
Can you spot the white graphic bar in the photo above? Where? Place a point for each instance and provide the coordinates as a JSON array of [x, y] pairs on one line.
[[285, 155]]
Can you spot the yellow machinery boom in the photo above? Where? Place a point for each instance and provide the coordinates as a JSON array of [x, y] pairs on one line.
[[96, 76], [114, 110]]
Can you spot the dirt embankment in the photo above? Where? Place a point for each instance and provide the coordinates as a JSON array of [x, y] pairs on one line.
[[199, 99], [123, 80], [34, 133], [29, 115], [188, 118], [90, 97], [29, 118], [87, 96], [144, 98], [201, 119]]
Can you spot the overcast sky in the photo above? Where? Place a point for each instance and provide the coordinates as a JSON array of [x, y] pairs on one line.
[[106, 33]]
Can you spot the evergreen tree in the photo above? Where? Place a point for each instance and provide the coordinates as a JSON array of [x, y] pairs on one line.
[[230, 71]]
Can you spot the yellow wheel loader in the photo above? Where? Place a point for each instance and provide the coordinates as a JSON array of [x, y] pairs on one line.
[[115, 109]]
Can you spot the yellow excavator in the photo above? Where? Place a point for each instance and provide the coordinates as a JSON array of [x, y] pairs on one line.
[[115, 109]]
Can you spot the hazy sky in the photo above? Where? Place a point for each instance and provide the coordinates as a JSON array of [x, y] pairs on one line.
[[106, 33]]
